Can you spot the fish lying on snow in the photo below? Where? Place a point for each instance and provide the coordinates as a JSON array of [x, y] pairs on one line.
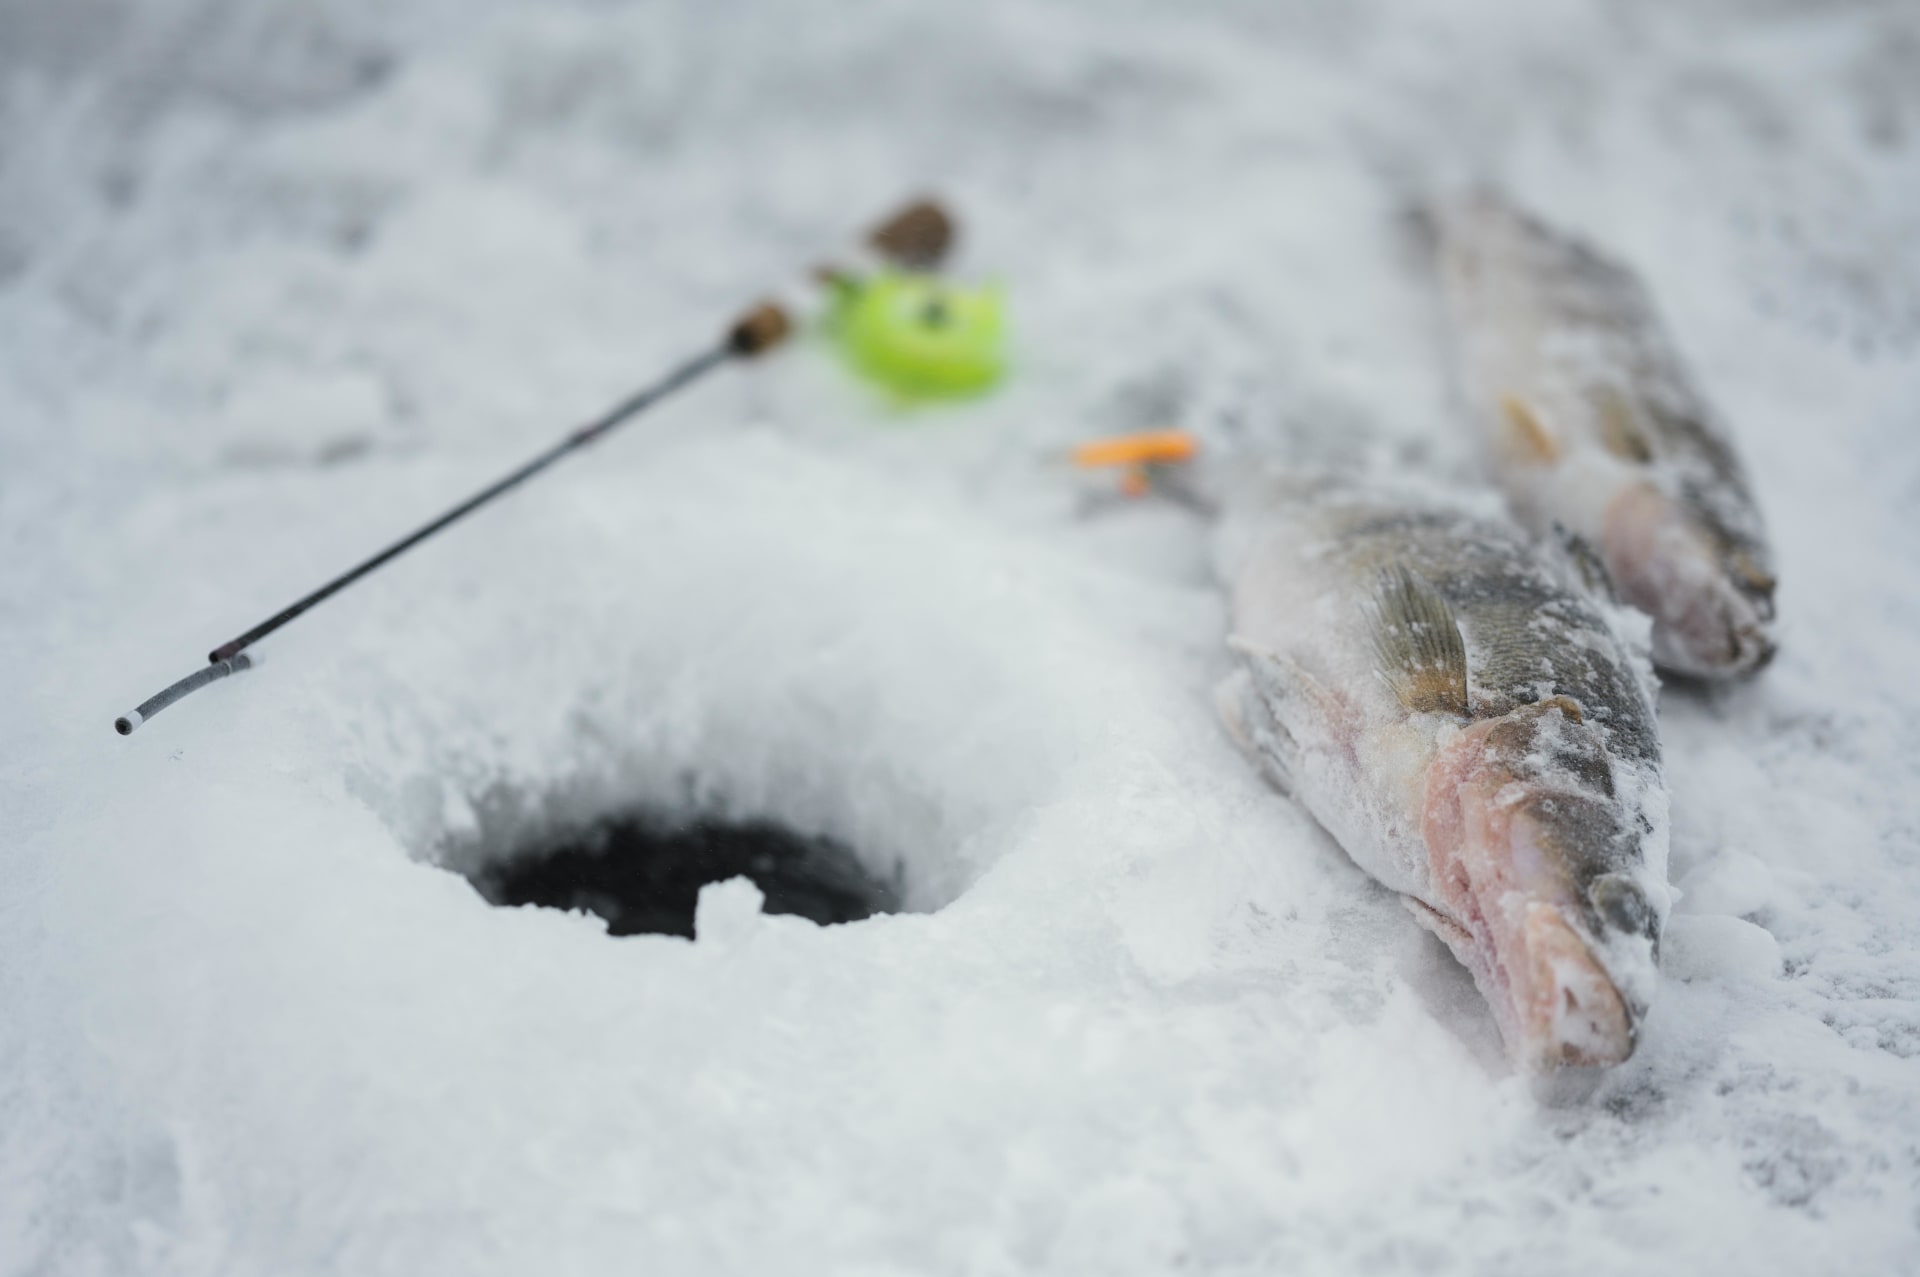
[[1594, 426], [1449, 702]]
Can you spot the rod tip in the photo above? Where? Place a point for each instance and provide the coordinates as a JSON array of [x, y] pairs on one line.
[[127, 722]]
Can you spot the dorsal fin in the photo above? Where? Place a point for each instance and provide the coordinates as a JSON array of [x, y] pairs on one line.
[[1418, 645]]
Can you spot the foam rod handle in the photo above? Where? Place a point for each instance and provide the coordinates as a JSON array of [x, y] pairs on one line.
[[917, 236], [759, 330]]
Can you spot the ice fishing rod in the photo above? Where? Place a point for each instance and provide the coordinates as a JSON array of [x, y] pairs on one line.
[[915, 237]]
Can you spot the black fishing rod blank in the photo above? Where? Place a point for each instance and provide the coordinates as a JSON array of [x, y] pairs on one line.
[[632, 406], [918, 235]]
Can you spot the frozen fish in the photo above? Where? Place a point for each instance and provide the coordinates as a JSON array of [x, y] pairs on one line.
[[1476, 728], [1597, 433]]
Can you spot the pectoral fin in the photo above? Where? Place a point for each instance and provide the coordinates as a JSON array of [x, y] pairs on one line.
[[1250, 719], [1275, 709], [1418, 645], [1229, 702], [1282, 681]]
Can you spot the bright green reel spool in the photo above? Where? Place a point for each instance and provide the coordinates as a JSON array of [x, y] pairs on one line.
[[921, 337]]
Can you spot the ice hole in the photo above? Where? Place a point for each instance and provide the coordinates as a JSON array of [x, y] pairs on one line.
[[641, 871]]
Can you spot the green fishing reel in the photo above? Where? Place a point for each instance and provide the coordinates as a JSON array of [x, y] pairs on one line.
[[918, 336]]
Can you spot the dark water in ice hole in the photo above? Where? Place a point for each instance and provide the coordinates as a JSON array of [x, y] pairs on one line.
[[644, 874]]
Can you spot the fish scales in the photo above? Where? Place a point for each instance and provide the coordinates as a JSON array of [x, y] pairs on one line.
[[1523, 622]]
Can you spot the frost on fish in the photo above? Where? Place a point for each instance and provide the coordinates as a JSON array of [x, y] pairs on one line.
[[1476, 730], [1594, 427]]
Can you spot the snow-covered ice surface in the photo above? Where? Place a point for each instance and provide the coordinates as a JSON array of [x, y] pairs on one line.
[[278, 279]]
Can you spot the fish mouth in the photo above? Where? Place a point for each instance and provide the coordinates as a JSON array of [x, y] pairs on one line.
[[1712, 607], [1569, 1010], [1559, 942], [1713, 631], [1555, 1003], [1554, 1000]]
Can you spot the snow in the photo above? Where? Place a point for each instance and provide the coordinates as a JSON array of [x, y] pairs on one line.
[[276, 281], [727, 911]]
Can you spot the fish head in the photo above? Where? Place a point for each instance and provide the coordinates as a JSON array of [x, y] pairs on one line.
[[1708, 589], [1535, 858]]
